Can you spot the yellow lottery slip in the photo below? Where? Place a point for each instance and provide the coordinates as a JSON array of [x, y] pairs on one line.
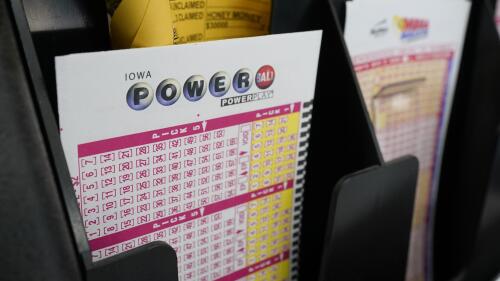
[[141, 23], [203, 20], [189, 18]]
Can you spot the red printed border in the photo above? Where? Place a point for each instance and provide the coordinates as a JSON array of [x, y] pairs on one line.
[[128, 234], [394, 60], [122, 142]]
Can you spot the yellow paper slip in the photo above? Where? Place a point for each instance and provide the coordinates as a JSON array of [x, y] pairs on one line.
[[141, 23], [203, 20]]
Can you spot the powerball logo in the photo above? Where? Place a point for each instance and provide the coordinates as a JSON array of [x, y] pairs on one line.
[[411, 28], [167, 93]]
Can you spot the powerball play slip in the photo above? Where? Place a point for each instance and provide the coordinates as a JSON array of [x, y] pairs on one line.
[[201, 146], [406, 57]]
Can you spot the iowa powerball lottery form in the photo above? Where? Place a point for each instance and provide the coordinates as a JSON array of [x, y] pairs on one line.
[[201, 146]]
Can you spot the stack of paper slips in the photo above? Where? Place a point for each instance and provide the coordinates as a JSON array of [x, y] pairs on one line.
[[406, 55]]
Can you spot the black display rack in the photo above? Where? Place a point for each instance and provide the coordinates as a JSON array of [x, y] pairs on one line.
[[42, 231], [485, 258], [466, 224], [468, 158], [368, 228], [343, 154]]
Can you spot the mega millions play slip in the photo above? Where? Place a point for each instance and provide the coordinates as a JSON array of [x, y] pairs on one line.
[[202, 146], [406, 55]]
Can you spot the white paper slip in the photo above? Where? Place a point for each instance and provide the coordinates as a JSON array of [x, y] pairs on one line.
[[406, 55], [497, 16], [202, 146]]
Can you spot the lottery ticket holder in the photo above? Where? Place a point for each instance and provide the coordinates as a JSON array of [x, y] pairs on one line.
[[469, 155], [484, 265], [338, 105], [355, 149], [56, 236], [354, 218]]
